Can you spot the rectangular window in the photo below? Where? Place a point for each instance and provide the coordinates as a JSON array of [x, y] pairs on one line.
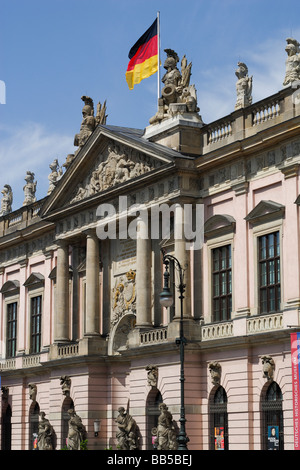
[[269, 273], [11, 344], [221, 283], [36, 320]]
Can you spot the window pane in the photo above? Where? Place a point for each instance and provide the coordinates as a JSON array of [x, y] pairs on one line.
[[222, 283], [269, 269]]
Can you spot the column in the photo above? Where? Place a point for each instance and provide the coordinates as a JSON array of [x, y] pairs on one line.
[[61, 323], [92, 284], [143, 275], [183, 256]]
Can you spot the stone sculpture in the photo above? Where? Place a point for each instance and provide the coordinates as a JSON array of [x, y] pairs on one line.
[[166, 435], [32, 391], [243, 86], [127, 431], [7, 200], [178, 96], [45, 434], [76, 432], [292, 63], [268, 367], [124, 296], [215, 372], [117, 166], [29, 189], [65, 383], [55, 175], [89, 121], [152, 375]]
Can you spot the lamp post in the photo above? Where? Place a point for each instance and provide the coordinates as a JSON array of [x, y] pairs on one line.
[[166, 300]]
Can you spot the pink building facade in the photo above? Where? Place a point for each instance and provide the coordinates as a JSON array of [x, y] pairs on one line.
[[80, 318]]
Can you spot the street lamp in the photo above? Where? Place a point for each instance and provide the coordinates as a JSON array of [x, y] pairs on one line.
[[166, 300]]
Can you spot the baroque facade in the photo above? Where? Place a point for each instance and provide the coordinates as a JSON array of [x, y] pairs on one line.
[[85, 341]]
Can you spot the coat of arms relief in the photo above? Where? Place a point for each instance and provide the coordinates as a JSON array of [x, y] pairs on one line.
[[123, 296], [117, 165]]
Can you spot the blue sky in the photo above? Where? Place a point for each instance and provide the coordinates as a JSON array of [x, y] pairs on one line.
[[54, 51]]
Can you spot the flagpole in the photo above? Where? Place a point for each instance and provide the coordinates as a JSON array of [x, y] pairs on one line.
[[158, 55]]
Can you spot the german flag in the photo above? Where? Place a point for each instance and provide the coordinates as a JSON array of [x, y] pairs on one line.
[[143, 57]]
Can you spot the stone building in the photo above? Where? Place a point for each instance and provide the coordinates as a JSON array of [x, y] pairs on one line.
[[81, 271]]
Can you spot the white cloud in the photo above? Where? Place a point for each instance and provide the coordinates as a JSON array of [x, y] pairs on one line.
[[30, 147]]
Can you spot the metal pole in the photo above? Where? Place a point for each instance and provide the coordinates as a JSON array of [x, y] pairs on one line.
[[182, 438], [158, 56]]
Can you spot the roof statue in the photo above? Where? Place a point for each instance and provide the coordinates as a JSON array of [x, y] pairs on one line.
[[178, 96], [292, 63], [243, 86], [29, 189], [89, 121], [6, 201], [55, 175]]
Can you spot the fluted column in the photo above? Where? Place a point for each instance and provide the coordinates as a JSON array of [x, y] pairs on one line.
[[61, 323], [92, 284], [143, 275], [183, 256]]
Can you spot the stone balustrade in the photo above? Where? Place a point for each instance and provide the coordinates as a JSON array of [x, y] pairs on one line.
[[216, 331], [156, 335], [264, 323]]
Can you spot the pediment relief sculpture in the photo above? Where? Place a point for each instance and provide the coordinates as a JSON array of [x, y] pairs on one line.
[[117, 165]]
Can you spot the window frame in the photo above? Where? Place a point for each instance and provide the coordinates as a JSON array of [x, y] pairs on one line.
[[8, 303], [31, 294], [267, 260], [220, 273], [260, 230]]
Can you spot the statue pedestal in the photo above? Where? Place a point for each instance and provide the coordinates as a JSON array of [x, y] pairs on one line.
[[182, 132]]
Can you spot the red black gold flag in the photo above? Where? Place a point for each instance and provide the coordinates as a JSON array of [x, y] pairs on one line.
[[143, 57]]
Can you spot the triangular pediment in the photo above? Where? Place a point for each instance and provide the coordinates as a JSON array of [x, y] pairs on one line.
[[110, 159], [265, 210]]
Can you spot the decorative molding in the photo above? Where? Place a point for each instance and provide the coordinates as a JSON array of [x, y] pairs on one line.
[[265, 210]]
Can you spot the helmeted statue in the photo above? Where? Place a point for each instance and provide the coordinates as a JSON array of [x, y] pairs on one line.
[[292, 63], [178, 96], [6, 201], [127, 431], [243, 86], [89, 121], [29, 189]]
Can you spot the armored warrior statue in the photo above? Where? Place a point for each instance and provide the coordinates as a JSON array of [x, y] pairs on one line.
[[127, 431], [292, 64], [6, 201], [243, 86], [55, 175], [178, 96], [29, 189], [89, 122]]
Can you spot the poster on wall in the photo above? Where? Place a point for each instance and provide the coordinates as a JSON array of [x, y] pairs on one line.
[[273, 438], [219, 438], [295, 351]]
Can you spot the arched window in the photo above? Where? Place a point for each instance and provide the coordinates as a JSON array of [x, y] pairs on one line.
[[33, 425], [152, 413], [6, 428], [218, 420], [68, 404], [272, 418]]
